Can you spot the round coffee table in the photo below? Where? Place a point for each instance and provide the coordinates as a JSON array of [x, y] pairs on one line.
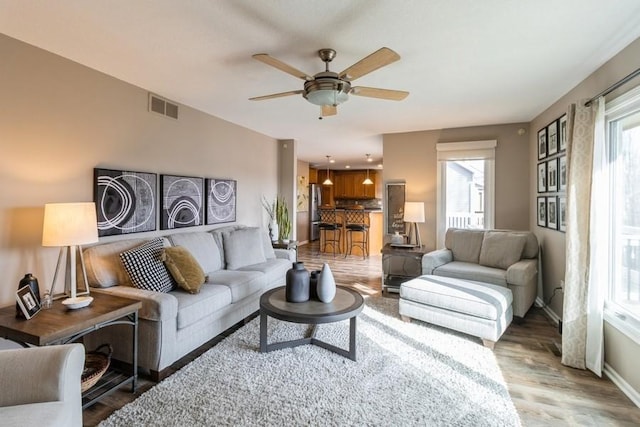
[[347, 304]]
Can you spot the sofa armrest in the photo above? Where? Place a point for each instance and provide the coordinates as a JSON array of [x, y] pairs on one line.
[[156, 306], [522, 272], [288, 254], [43, 374], [435, 259]]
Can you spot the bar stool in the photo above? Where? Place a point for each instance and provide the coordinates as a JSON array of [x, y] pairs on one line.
[[355, 220], [329, 223]]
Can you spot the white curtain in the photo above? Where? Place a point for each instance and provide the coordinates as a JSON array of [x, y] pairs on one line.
[[586, 238]]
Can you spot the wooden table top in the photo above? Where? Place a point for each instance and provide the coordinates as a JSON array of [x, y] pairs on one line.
[[52, 325]]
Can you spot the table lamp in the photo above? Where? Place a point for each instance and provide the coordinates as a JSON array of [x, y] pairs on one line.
[[69, 225], [414, 213]]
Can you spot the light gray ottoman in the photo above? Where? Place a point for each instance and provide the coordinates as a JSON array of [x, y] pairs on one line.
[[475, 308]]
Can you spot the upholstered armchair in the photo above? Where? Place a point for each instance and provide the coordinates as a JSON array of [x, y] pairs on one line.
[[41, 386]]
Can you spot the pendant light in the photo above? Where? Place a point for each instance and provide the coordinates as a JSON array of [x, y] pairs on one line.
[[368, 181], [328, 180]]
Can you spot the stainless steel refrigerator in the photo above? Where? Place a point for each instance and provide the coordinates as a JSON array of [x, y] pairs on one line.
[[315, 200]]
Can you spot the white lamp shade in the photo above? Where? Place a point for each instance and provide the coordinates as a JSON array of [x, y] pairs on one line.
[[69, 224], [414, 212]]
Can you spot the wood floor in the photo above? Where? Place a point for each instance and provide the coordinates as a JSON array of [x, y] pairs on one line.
[[545, 392]]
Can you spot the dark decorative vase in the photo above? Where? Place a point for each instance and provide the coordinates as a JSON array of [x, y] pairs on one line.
[[297, 286], [313, 285], [326, 288], [32, 282]]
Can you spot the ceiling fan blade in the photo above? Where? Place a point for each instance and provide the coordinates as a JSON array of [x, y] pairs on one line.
[[276, 95], [374, 92], [377, 59], [329, 110], [269, 60]]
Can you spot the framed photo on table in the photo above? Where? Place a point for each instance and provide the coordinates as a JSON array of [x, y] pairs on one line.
[[542, 211], [27, 302], [542, 177], [542, 143]]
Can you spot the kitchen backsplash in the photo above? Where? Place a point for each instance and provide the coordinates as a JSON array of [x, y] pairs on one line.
[[367, 203]]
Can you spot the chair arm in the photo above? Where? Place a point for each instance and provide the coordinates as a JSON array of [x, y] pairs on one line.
[[435, 259], [288, 254], [42, 374], [156, 306], [522, 272]]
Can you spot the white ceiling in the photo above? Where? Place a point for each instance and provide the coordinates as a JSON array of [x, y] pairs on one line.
[[465, 62]]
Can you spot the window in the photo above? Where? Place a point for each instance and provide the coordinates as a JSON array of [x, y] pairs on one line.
[[623, 151], [465, 186]]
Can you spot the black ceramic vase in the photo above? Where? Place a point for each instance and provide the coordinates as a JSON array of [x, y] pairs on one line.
[[313, 285], [32, 282], [297, 286]]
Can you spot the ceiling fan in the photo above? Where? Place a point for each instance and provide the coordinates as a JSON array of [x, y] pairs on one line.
[[329, 89]]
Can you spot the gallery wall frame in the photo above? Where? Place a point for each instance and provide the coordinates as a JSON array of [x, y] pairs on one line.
[[562, 173], [125, 201], [552, 212], [542, 143], [182, 202], [541, 211], [562, 144], [552, 175], [552, 137], [542, 177], [562, 213], [221, 200]]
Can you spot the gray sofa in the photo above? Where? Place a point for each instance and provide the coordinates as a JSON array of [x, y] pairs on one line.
[[500, 257], [41, 386], [240, 265]]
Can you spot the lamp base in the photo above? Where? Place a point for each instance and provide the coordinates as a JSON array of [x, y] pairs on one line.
[[77, 302]]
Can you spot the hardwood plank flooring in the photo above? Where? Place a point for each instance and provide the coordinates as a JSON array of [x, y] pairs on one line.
[[545, 392]]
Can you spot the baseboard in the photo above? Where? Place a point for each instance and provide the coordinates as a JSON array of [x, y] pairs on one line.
[[615, 378], [552, 315]]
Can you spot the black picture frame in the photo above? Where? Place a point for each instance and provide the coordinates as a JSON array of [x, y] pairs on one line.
[[552, 138], [27, 302], [542, 143], [221, 200], [182, 203], [562, 213], [562, 173], [395, 198], [125, 201], [552, 175], [541, 211], [562, 124], [552, 212], [542, 177]]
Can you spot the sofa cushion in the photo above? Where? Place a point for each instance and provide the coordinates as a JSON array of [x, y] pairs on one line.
[[501, 249], [275, 270], [267, 247], [192, 308], [184, 268], [472, 271], [464, 244], [240, 283], [145, 267], [243, 247], [217, 234], [103, 264], [203, 248]]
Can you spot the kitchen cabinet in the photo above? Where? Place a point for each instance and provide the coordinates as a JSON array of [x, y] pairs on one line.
[[349, 185], [326, 191]]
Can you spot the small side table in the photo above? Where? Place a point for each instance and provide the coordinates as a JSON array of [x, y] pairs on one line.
[[291, 244], [400, 264], [59, 325]]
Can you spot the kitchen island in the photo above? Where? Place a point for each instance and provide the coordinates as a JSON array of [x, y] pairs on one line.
[[374, 218]]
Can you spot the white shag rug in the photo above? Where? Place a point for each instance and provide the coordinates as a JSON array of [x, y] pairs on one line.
[[405, 375]]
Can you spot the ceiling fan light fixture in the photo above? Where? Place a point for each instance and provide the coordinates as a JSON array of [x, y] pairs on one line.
[[326, 89]]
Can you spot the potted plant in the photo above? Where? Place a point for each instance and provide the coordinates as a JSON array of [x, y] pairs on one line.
[[282, 219], [270, 207]]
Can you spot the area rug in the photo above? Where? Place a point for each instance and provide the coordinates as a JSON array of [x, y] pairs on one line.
[[405, 374]]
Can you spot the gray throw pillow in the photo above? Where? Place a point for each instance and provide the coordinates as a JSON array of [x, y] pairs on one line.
[[501, 250], [243, 247]]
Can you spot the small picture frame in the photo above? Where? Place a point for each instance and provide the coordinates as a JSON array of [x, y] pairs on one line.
[[27, 301], [552, 175], [562, 213], [542, 211], [562, 144], [542, 177], [552, 212], [552, 138], [542, 143], [562, 173]]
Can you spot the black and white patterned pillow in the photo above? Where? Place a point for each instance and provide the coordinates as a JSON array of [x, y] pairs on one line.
[[145, 267]]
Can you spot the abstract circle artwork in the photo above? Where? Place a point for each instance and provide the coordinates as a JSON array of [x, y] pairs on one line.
[[182, 202], [221, 200]]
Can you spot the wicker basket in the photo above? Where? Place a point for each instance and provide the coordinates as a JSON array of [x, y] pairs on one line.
[[95, 365]]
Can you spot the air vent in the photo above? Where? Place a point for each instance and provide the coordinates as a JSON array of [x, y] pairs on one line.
[[162, 106]]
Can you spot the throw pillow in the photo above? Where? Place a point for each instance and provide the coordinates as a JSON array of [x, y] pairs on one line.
[[184, 268], [501, 250], [145, 267], [243, 247]]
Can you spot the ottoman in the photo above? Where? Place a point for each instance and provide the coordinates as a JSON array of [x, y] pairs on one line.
[[475, 308]]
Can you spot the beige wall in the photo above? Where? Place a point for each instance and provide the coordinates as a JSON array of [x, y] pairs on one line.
[[59, 120], [620, 351], [412, 157]]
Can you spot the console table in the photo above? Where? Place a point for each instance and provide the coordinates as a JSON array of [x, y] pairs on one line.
[[400, 264], [59, 325]]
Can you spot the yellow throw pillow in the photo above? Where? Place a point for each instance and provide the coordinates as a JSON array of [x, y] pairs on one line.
[[184, 268]]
